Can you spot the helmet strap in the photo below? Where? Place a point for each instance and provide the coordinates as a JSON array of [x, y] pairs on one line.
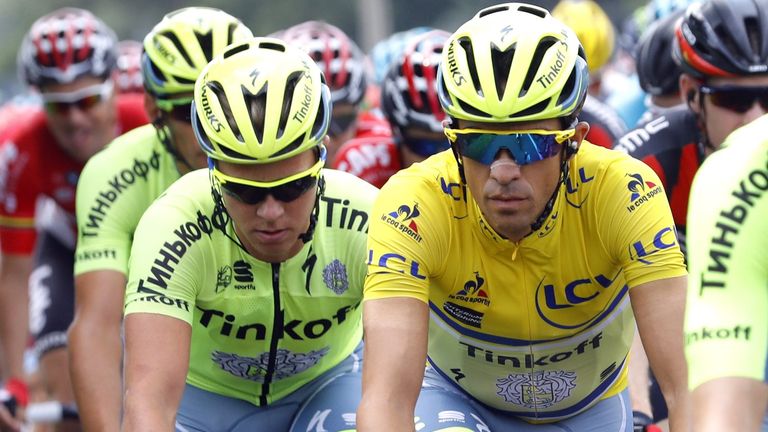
[[307, 235], [164, 135]]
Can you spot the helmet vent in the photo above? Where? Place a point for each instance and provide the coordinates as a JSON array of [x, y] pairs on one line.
[[502, 63], [319, 118], [470, 109], [257, 110], [534, 109], [236, 49], [290, 147], [755, 41], [217, 89], [541, 13], [272, 46], [466, 44], [492, 10], [290, 89], [206, 43], [231, 29], [179, 47], [544, 45]]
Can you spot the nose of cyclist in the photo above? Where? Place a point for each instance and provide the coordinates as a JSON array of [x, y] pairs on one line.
[[504, 170], [270, 209]]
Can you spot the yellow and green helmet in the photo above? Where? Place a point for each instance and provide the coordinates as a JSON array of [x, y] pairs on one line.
[[180, 46], [260, 101], [512, 62]]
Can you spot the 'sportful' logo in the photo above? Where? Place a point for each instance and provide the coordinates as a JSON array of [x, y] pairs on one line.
[[538, 390], [223, 278], [243, 271], [335, 277], [637, 186]]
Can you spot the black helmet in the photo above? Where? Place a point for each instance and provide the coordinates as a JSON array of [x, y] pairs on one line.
[[656, 69], [723, 38]]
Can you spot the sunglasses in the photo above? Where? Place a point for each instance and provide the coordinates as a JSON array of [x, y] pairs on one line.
[[285, 190], [526, 147], [181, 112], [737, 99], [425, 147], [84, 99]]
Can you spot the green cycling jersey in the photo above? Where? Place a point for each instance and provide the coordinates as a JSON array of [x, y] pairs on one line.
[[115, 188], [259, 330], [726, 330]]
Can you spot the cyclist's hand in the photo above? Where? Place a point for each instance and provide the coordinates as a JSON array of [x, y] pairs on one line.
[[643, 423], [13, 399]]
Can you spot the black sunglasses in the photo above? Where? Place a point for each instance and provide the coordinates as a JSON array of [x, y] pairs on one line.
[[738, 99]]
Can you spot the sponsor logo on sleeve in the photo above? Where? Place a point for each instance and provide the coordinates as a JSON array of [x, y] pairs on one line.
[[641, 191], [404, 220]]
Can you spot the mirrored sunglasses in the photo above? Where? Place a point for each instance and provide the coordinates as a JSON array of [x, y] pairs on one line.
[[525, 146]]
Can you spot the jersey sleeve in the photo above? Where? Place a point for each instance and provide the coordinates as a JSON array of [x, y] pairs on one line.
[[403, 241], [20, 189], [164, 262], [726, 330], [111, 196], [635, 223]]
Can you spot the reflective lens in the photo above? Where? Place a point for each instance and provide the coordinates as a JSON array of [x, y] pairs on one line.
[[425, 147], [525, 147], [182, 113], [737, 99], [84, 99], [285, 190]]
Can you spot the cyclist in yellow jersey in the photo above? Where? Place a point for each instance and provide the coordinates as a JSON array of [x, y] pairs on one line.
[[726, 323], [120, 183], [246, 278], [518, 262]]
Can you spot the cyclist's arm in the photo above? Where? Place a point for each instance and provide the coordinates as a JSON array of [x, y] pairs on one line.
[[659, 308], [639, 388], [395, 356], [14, 319], [95, 348], [731, 403], [156, 364]]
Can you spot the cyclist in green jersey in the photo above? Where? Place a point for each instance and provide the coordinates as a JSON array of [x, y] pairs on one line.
[[246, 278], [120, 183], [518, 263], [726, 324]]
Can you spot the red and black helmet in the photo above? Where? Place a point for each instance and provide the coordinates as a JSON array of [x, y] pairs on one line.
[[128, 75], [723, 38], [409, 90], [340, 59], [65, 45]]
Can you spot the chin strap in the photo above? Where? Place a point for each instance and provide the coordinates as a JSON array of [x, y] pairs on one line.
[[539, 222], [165, 138], [307, 235]]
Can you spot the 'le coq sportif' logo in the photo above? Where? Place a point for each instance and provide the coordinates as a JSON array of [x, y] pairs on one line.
[[404, 219], [640, 191]]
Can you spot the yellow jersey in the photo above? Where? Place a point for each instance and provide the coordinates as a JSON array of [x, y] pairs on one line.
[[540, 328]]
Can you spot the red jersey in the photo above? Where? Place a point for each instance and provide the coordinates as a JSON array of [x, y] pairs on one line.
[[32, 165], [372, 158]]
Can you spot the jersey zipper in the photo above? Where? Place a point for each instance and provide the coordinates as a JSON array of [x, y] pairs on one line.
[[277, 328]]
